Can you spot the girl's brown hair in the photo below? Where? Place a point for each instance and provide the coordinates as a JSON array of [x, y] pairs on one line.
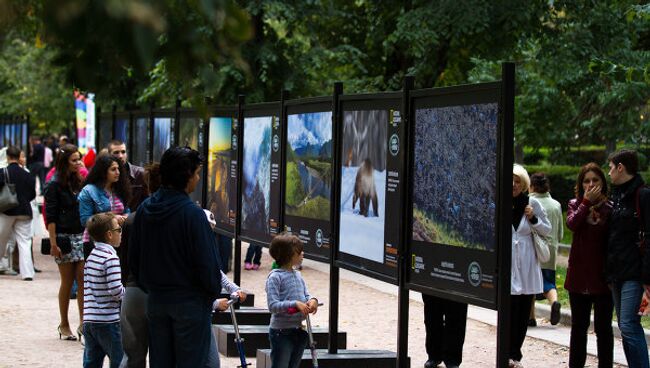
[[592, 166], [283, 247]]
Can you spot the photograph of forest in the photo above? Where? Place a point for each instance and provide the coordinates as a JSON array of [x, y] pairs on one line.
[[219, 154], [189, 132], [454, 180], [257, 174], [309, 165], [363, 183]]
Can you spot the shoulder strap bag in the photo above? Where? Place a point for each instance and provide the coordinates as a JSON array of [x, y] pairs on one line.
[[8, 196], [541, 244]]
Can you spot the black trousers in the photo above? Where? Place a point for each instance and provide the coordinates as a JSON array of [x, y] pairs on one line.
[[444, 322], [520, 311], [603, 306]]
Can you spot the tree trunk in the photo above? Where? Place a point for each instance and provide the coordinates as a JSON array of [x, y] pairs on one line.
[[610, 146]]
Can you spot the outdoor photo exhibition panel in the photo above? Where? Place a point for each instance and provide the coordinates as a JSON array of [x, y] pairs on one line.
[[139, 152], [261, 173], [191, 135], [370, 184], [308, 174], [121, 130], [24, 142], [222, 169], [455, 158], [163, 127], [105, 130]]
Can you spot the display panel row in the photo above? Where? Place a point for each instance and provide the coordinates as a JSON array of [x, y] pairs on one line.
[[358, 173]]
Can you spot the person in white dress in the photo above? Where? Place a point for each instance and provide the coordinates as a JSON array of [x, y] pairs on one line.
[[526, 274]]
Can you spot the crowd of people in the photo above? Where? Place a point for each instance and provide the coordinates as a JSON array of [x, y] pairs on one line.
[[147, 258], [151, 267]]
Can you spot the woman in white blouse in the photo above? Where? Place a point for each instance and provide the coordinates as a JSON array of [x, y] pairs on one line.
[[526, 274]]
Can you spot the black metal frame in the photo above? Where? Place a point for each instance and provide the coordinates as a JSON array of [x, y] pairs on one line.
[[304, 106], [390, 101]]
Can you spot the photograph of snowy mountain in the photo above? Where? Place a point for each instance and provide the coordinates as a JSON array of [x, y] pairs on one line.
[[454, 180], [138, 154], [309, 165], [189, 133], [162, 129], [218, 167], [363, 184], [257, 174]]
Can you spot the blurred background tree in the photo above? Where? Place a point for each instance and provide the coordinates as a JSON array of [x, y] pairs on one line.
[[582, 65]]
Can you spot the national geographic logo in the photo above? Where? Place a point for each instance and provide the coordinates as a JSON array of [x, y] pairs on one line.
[[276, 143], [393, 145], [474, 274]]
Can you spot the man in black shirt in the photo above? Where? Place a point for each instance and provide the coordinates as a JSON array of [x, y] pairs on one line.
[[17, 222]]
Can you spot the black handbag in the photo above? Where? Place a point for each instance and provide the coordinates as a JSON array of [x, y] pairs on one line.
[[63, 242], [8, 195]]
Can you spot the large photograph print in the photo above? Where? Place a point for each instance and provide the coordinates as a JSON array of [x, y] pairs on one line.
[[309, 165], [140, 142], [219, 148], [257, 175], [363, 184], [454, 180], [189, 133], [162, 129]]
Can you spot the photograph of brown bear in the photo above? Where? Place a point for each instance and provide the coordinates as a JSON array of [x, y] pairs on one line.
[[364, 189], [364, 148]]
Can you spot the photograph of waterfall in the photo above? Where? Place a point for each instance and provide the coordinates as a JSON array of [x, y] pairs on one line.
[[162, 130], [122, 130], [256, 175], [189, 132], [454, 179], [363, 183], [309, 165]]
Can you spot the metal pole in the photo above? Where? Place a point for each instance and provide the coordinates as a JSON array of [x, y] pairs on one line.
[[335, 216], [504, 212], [241, 100], [402, 266]]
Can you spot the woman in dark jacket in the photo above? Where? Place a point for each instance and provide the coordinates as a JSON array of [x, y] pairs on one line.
[[588, 217], [63, 226]]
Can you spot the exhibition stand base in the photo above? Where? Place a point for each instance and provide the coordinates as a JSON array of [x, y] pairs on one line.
[[245, 316], [257, 337], [343, 359]]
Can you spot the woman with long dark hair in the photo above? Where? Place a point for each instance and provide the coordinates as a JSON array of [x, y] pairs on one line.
[[106, 189], [588, 218], [62, 214]]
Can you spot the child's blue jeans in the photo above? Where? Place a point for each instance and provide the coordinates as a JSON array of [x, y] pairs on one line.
[[287, 346], [102, 339]]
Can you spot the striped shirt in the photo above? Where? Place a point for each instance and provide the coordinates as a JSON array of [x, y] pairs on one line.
[[103, 289], [117, 207]]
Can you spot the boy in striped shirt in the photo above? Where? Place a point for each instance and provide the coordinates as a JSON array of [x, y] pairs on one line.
[[103, 292]]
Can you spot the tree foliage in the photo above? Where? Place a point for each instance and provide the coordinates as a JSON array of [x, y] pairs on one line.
[[583, 65]]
